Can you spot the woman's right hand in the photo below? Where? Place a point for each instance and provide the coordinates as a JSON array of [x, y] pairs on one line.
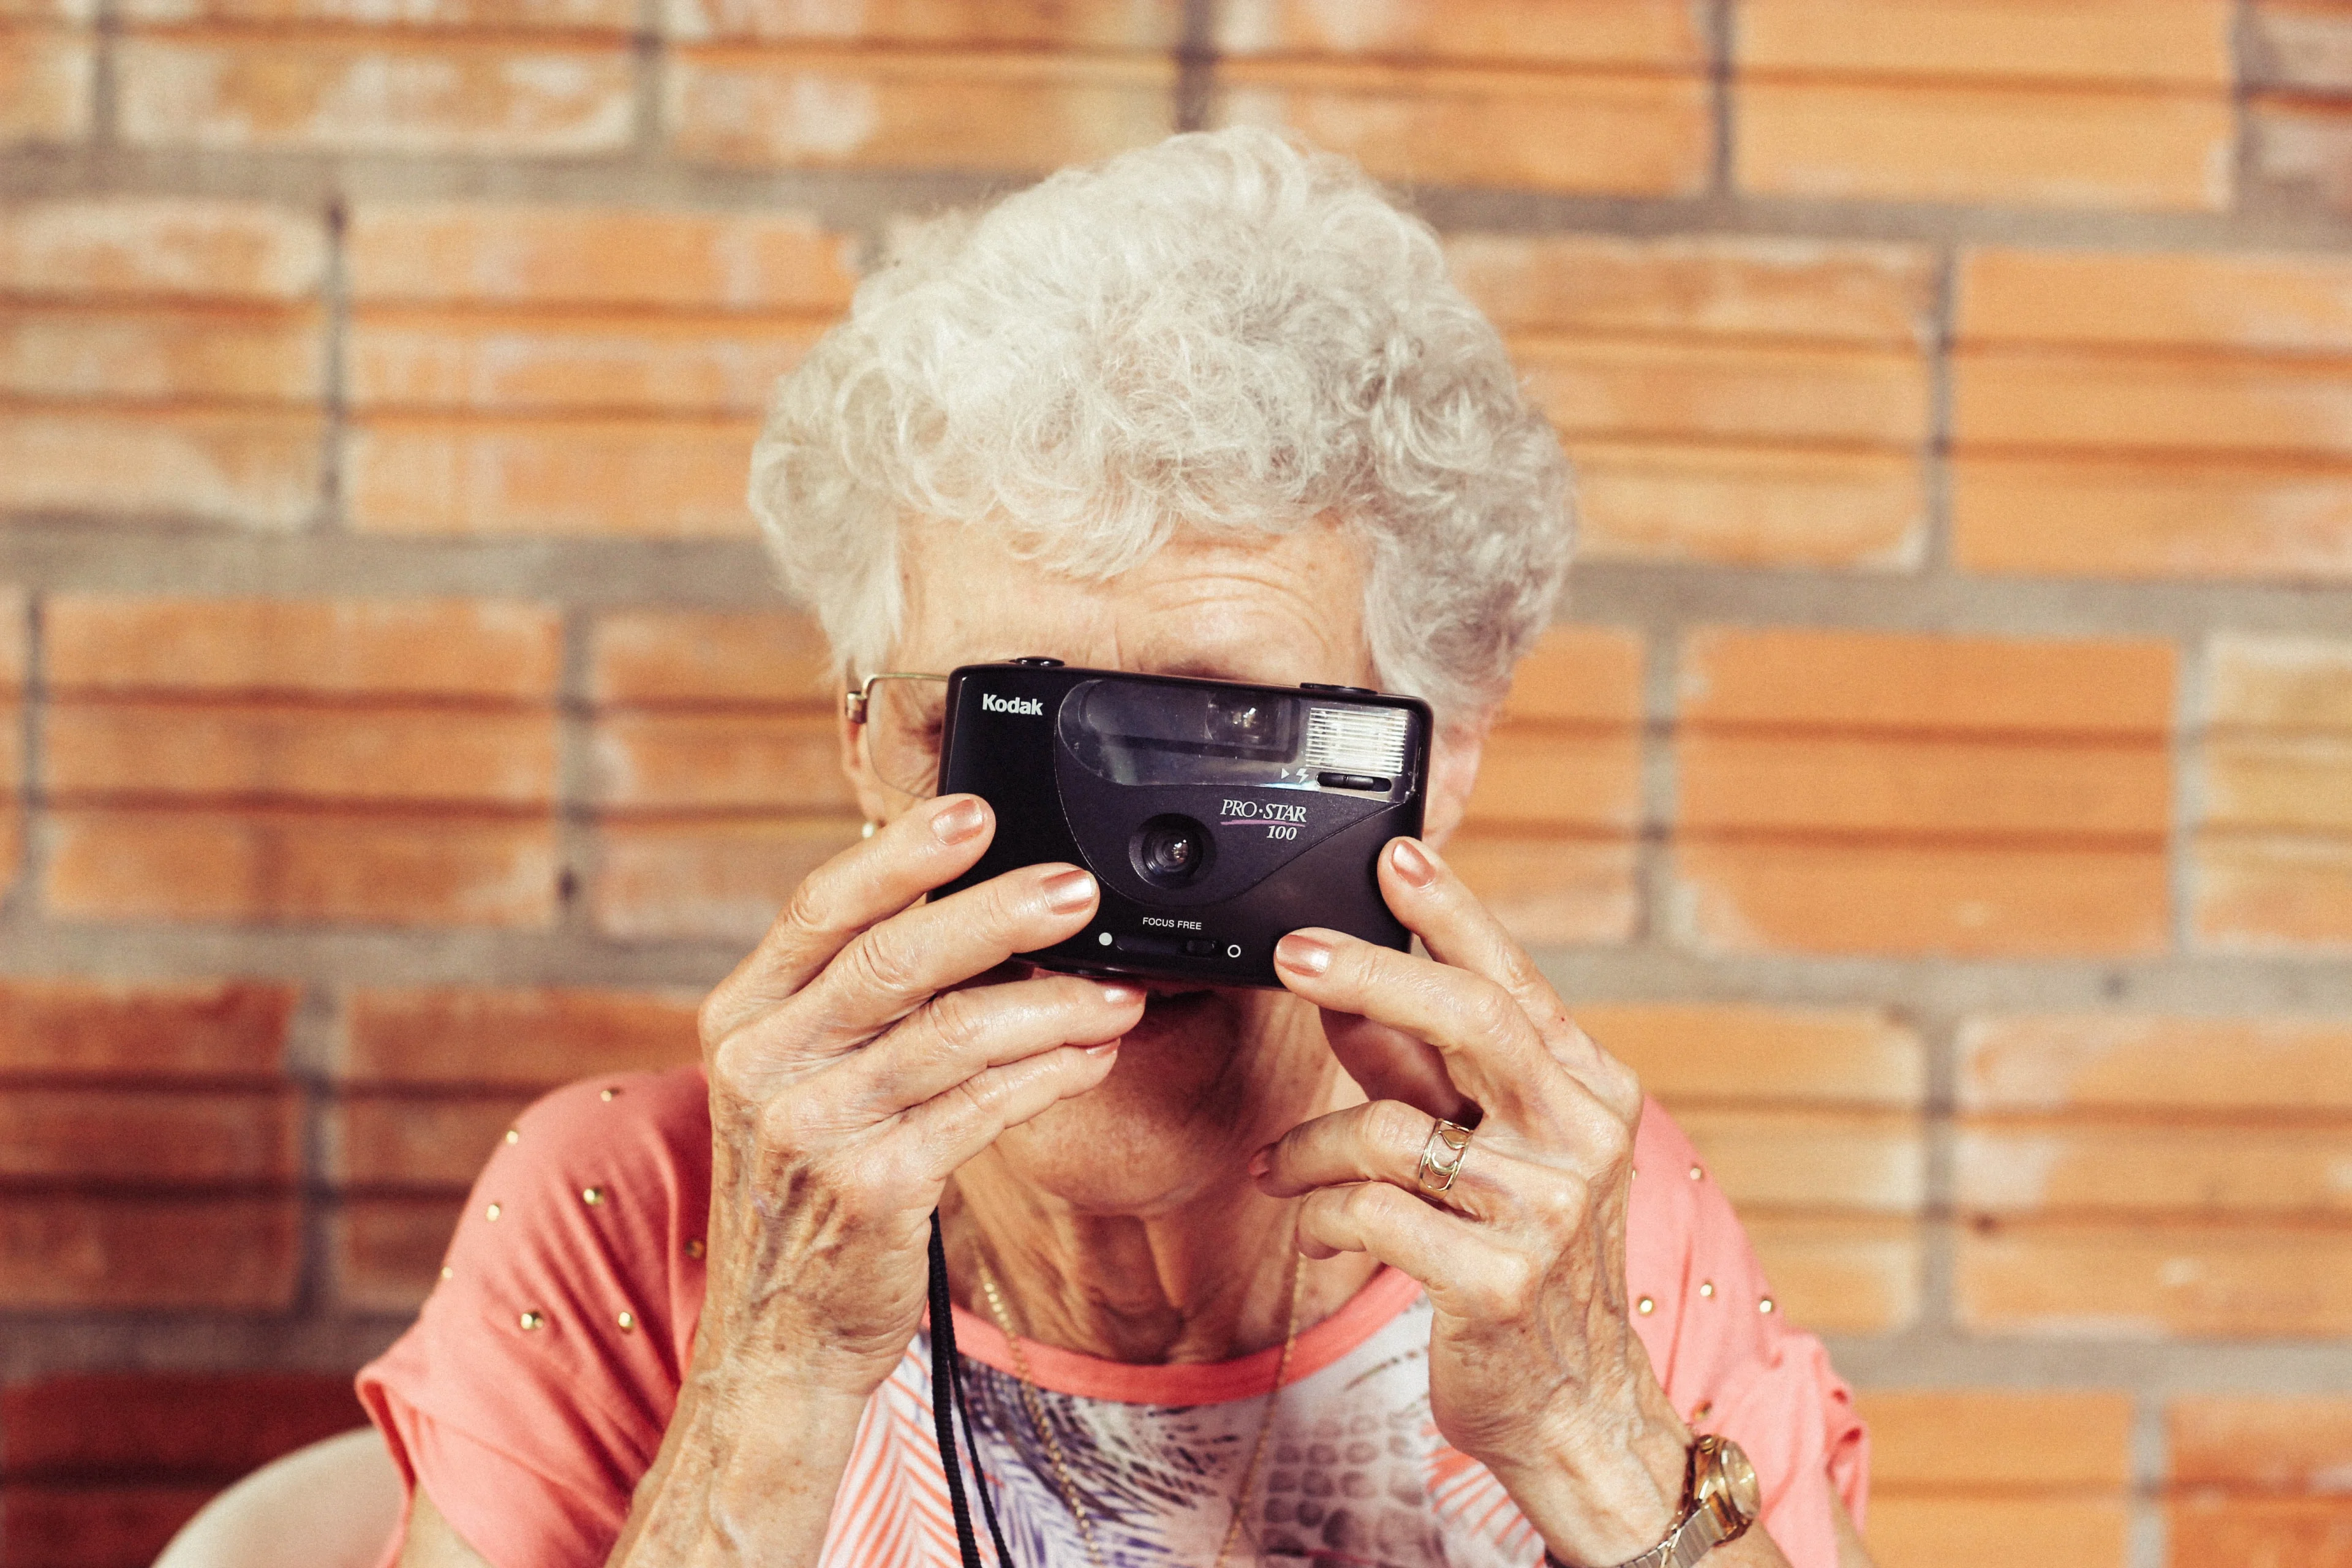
[[852, 1070]]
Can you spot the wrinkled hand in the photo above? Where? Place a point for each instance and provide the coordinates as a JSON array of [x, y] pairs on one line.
[[1534, 1370], [852, 1070]]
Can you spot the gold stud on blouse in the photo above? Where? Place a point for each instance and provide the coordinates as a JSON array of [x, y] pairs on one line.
[[694, 1247], [1765, 1305], [1701, 1410], [1697, 1174], [1706, 1287], [628, 1321], [491, 1213], [447, 1272], [1645, 1306], [514, 1134], [592, 1196], [609, 1095], [531, 1321]]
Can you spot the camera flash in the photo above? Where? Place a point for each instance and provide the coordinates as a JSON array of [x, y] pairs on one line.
[[1356, 741]]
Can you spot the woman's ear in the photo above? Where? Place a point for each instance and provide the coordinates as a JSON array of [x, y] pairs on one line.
[[1453, 774], [856, 769]]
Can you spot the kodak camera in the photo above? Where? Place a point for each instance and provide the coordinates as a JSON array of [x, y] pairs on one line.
[[1216, 816]]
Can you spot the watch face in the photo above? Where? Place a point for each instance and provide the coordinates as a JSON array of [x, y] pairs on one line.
[[1739, 1479]]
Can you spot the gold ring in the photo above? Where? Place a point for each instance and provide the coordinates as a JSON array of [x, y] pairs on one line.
[[1455, 1140]]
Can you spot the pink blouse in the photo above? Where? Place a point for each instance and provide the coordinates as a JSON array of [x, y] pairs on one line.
[[533, 1391]]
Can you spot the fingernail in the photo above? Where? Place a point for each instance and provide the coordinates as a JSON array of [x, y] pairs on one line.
[[1303, 955], [1261, 1163], [1412, 863], [1122, 995], [959, 821], [1067, 890], [1109, 1050]]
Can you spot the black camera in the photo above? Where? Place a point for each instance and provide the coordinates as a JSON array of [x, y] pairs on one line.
[[1215, 817]]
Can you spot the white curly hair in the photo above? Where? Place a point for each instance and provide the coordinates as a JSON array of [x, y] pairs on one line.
[[1223, 331]]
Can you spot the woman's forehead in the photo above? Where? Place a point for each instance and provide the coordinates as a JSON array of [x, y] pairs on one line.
[[1242, 606]]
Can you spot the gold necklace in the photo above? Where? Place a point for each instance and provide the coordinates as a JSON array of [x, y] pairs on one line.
[[1036, 1409]]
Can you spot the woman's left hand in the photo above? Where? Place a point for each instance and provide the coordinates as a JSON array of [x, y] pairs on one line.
[[1534, 1367]]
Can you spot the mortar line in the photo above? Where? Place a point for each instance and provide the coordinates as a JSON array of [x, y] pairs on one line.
[[1196, 65], [577, 840], [335, 403], [1936, 450], [1720, 25], [20, 903]]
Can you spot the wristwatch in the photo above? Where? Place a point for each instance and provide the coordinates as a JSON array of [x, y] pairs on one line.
[[1720, 1498]]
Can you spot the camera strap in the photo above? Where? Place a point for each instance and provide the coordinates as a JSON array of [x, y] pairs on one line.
[[947, 1399]]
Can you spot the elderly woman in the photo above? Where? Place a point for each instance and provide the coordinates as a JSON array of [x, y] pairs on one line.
[[1211, 408]]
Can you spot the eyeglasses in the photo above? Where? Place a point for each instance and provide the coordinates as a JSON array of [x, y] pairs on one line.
[[900, 714]]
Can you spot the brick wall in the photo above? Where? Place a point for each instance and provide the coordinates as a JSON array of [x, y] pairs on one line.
[[1940, 785]]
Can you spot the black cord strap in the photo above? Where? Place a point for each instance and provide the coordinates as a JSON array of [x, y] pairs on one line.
[[946, 1397]]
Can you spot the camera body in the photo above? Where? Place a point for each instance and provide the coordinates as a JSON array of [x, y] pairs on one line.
[[1216, 816]]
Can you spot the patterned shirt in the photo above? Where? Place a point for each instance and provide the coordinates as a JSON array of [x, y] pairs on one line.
[[527, 1410]]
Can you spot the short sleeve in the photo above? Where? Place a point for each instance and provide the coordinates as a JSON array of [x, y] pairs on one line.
[[534, 1389], [1730, 1363]]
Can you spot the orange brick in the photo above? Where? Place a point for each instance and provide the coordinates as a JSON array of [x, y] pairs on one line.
[[246, 469], [1851, 1275], [1747, 783], [2233, 1280], [2104, 148], [157, 751], [217, 1030], [150, 1254], [1695, 1053], [1035, 24], [2232, 1532], [654, 658], [528, 1038], [2025, 1441], [402, 358], [407, 1142], [385, 1253], [330, 93], [215, 1425], [1666, 391], [2297, 684], [2131, 43], [123, 352], [720, 880], [1740, 505], [2149, 404], [1634, 134], [47, 84], [66, 1525], [2289, 782], [567, 15], [1866, 1161], [126, 247], [1578, 675], [294, 866], [2070, 1166], [1658, 34], [667, 479], [2153, 517], [2288, 304], [448, 253], [1903, 681], [1552, 892], [376, 647], [1565, 781], [1703, 286], [2108, 1061], [2266, 1443], [1003, 112], [724, 761], [1958, 901], [1912, 1531], [2267, 892], [129, 1136]]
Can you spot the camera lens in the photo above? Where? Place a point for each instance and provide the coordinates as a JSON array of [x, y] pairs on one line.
[[1170, 851]]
